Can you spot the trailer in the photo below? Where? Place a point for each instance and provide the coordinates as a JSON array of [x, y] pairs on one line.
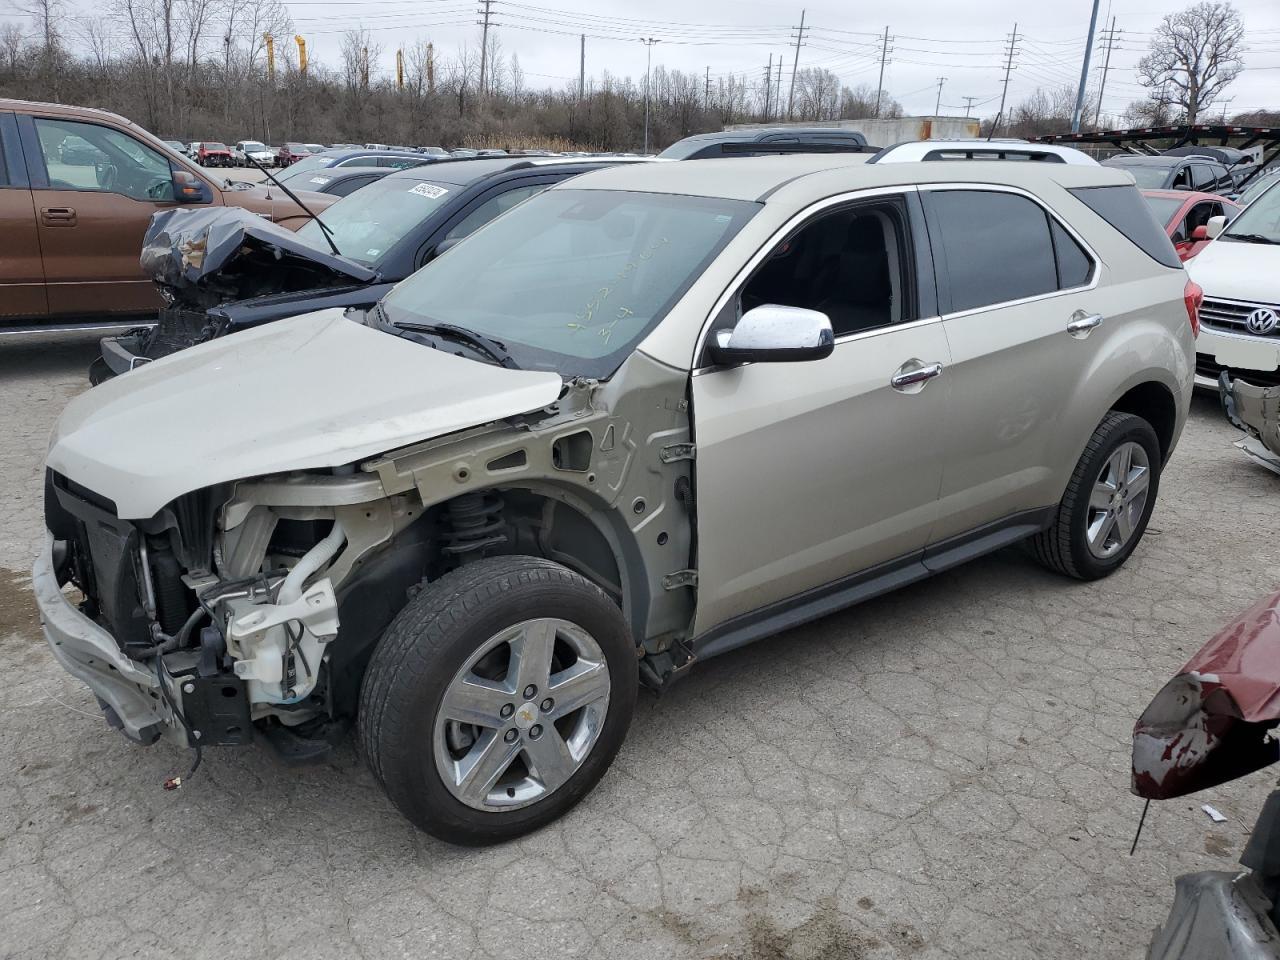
[[1260, 144]]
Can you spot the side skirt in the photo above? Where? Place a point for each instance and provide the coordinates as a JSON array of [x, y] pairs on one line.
[[882, 578]]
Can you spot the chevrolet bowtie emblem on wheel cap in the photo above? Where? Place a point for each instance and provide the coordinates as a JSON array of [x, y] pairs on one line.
[[1262, 321]]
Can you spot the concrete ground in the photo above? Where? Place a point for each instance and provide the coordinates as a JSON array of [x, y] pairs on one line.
[[939, 773]]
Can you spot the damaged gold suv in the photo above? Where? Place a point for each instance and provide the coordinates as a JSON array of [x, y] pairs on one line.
[[647, 416]]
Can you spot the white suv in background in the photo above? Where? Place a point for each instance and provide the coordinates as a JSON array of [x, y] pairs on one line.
[[246, 150], [1240, 275]]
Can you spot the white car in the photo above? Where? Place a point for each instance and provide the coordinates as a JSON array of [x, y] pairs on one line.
[[1239, 273], [256, 150]]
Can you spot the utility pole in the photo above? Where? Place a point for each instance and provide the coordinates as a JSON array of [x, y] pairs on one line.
[[795, 66], [582, 66], [648, 46], [938, 104], [706, 91], [431, 68], [1110, 41], [400, 69], [1008, 69], [777, 97], [885, 50], [484, 40], [768, 87], [1084, 70], [968, 104]]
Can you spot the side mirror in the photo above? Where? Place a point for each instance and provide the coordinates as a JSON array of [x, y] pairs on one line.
[[1214, 227], [775, 334], [188, 188], [1200, 233], [444, 246], [1182, 186]]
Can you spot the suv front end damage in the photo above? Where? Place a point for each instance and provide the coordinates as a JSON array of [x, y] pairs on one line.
[[254, 605], [206, 262]]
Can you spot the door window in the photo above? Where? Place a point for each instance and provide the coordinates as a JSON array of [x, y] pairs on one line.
[[491, 208], [350, 185], [997, 247], [851, 264], [86, 156], [1201, 177]]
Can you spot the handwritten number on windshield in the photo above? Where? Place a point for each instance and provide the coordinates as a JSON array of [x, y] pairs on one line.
[[587, 314]]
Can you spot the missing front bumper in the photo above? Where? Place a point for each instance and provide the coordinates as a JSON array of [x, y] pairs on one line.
[[89, 653]]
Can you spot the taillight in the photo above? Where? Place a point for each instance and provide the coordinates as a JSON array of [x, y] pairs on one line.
[[1193, 297]]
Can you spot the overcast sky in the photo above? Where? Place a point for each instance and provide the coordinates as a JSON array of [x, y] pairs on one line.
[[963, 42]]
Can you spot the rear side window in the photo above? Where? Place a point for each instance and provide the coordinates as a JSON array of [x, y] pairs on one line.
[[1125, 210], [1074, 265], [997, 247]]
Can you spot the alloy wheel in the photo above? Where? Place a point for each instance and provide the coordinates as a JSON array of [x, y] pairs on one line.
[[1118, 500]]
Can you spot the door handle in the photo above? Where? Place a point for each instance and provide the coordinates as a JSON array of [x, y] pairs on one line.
[[58, 216], [1082, 324], [913, 375]]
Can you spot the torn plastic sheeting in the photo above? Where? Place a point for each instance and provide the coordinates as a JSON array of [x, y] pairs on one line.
[[184, 246]]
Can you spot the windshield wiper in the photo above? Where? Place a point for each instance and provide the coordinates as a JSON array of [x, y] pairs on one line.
[[477, 341], [1252, 238], [324, 227]]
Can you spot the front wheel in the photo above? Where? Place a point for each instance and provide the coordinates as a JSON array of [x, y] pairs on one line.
[[1108, 502], [498, 698]]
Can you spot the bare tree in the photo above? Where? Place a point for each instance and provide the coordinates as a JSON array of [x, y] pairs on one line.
[[1195, 54], [11, 44]]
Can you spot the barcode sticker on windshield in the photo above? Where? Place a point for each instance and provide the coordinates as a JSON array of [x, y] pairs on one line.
[[429, 190]]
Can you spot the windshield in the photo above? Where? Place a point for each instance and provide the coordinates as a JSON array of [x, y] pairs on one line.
[[1260, 221], [571, 280], [253, 145], [215, 146], [370, 221], [1164, 208], [316, 161], [1148, 177], [1259, 186]]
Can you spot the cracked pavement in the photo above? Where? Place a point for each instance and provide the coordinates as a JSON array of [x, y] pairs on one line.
[[939, 773]]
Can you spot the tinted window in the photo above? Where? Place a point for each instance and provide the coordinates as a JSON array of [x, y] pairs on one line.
[[1074, 265], [1164, 207], [1201, 176], [350, 185], [997, 247], [1124, 209], [851, 264]]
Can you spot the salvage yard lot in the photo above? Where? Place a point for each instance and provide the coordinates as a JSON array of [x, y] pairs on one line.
[[939, 773]]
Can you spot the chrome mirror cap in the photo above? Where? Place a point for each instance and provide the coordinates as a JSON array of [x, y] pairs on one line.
[[775, 334]]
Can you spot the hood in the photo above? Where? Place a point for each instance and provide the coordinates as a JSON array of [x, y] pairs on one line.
[[1209, 723], [213, 255], [310, 392], [1237, 271]]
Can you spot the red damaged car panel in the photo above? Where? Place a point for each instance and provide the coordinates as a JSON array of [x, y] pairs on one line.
[[1210, 723]]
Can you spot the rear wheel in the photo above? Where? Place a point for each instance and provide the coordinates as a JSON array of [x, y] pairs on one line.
[[1108, 501], [498, 698]]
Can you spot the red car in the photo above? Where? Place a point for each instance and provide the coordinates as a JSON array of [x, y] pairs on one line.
[[1185, 213], [1213, 722], [211, 154], [291, 153]]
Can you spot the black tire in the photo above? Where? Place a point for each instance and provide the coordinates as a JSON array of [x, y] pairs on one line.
[[428, 643], [99, 372], [1064, 545]]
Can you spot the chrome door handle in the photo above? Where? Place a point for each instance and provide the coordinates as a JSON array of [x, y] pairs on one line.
[[914, 373], [1082, 324]]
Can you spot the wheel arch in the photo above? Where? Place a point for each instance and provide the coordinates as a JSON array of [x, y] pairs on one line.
[[1154, 402]]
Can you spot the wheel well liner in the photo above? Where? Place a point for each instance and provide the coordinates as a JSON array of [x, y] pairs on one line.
[[1154, 403]]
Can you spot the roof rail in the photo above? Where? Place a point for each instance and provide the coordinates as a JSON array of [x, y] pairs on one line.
[[916, 151]]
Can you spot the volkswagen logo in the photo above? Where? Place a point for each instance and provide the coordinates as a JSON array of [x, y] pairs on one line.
[[1262, 321]]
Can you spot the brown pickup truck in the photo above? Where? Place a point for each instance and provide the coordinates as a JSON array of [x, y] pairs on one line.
[[77, 190]]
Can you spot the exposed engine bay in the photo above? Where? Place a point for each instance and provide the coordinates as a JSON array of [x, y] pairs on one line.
[[257, 603]]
